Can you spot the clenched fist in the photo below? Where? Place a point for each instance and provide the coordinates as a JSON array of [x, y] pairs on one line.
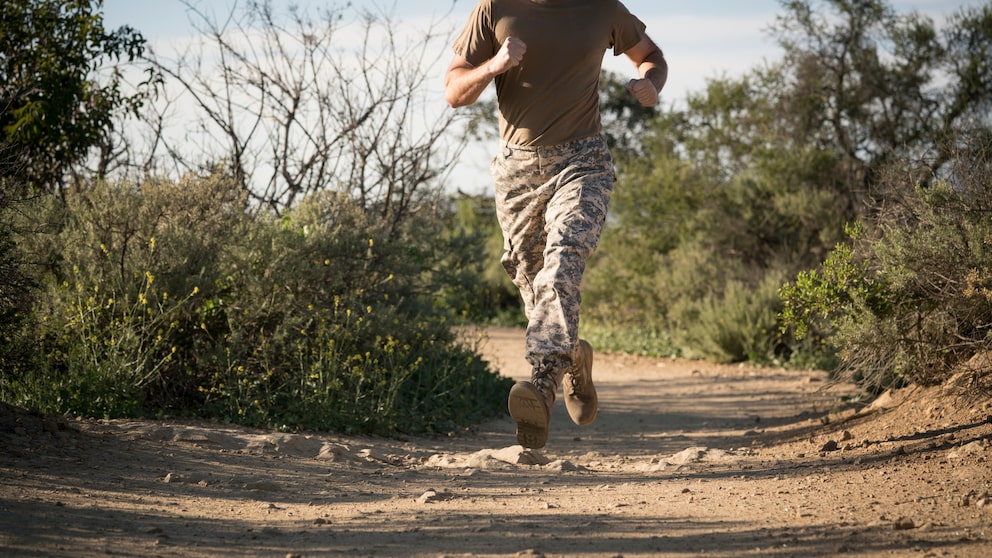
[[644, 90], [509, 56]]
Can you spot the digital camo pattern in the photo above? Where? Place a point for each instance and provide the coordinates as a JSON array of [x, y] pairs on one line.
[[551, 203]]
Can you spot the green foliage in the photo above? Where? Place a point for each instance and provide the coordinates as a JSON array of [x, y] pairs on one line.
[[633, 339], [475, 288], [478, 289], [689, 240], [626, 282], [175, 298], [53, 105], [755, 179], [739, 324], [819, 300], [15, 288], [909, 301]]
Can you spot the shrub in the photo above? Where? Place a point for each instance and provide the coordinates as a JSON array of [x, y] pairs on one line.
[[176, 299], [738, 325], [15, 288], [480, 292], [908, 300]]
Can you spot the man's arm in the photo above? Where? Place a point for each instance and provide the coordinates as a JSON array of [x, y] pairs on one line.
[[464, 83], [653, 69]]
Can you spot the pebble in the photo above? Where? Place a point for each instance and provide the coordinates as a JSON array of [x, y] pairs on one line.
[[904, 524], [429, 496]]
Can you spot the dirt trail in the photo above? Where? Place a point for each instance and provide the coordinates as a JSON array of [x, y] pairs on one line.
[[685, 459]]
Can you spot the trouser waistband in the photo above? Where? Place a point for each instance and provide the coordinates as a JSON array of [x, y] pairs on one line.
[[556, 149]]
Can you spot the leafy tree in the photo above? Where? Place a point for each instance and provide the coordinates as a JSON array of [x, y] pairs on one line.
[[756, 178], [57, 97], [872, 85]]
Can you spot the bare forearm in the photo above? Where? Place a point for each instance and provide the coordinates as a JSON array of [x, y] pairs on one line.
[[464, 83], [655, 68], [463, 86], [652, 70]]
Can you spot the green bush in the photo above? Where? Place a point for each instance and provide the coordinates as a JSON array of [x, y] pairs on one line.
[[15, 288], [177, 299], [739, 325], [481, 292], [908, 300]]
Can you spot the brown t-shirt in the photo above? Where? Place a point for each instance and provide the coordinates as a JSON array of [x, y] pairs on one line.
[[552, 96]]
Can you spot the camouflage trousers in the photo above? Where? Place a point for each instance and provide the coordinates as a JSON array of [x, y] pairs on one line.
[[551, 203]]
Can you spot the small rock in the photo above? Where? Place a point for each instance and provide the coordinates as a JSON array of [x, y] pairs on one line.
[[967, 450], [428, 497], [904, 524], [374, 454], [882, 402], [831, 445], [519, 455], [972, 497], [335, 452]]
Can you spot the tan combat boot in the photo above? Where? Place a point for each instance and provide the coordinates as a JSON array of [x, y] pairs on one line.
[[530, 405], [581, 400]]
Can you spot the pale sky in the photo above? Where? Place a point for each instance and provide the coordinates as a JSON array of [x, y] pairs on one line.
[[703, 39]]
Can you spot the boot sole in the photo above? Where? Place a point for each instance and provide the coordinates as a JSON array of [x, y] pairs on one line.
[[528, 409]]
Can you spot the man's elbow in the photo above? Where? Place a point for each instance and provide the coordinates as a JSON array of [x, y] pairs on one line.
[[457, 98], [459, 88], [453, 100], [658, 57], [452, 95]]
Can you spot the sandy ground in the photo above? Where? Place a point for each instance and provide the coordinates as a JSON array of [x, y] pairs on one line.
[[685, 459]]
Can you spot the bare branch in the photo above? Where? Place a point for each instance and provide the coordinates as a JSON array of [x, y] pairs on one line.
[[295, 105]]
